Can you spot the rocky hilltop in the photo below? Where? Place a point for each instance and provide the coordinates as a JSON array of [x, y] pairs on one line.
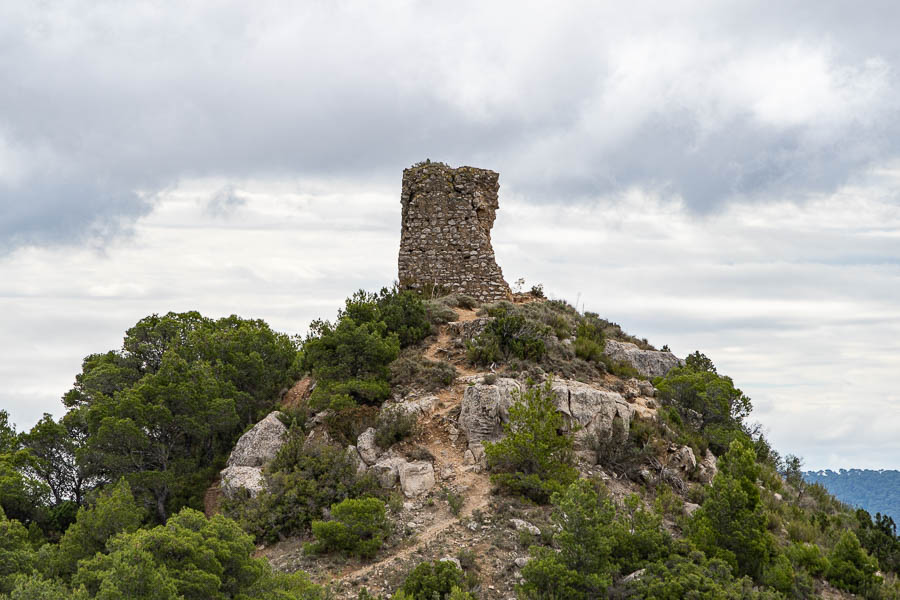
[[444, 461], [452, 440]]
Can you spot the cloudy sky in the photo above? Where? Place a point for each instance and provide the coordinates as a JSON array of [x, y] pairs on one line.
[[720, 176]]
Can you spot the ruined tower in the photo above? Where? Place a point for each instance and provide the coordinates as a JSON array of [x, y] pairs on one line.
[[445, 238]]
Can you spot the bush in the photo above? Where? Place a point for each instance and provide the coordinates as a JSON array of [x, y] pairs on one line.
[[114, 512], [731, 523], [508, 335], [345, 425], [696, 389], [392, 311], [191, 558], [348, 359], [808, 557], [454, 501], [394, 425], [302, 481], [693, 577], [589, 341], [439, 313], [433, 581], [851, 568], [357, 527], [533, 459], [416, 371], [593, 544]]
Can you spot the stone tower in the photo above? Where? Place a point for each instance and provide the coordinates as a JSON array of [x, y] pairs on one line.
[[445, 238]]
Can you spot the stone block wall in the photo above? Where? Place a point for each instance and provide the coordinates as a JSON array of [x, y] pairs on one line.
[[445, 238]]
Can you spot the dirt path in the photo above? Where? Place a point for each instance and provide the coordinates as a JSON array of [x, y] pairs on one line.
[[478, 498], [441, 348], [435, 438]]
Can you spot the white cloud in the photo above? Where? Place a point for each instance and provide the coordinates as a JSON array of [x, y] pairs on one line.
[[712, 176]]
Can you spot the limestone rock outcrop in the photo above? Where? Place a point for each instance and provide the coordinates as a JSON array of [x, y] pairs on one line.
[[366, 446], [708, 468], [590, 410], [649, 363], [485, 407], [586, 410], [259, 445], [253, 451], [416, 478], [236, 478], [446, 231]]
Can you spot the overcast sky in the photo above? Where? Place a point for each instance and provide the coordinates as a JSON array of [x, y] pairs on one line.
[[720, 176]]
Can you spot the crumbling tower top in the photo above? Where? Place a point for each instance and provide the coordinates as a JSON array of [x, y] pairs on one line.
[[445, 239]]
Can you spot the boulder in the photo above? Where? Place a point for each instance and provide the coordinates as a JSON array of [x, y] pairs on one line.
[[387, 471], [413, 406], [353, 453], [416, 478], [259, 445], [485, 407], [646, 388], [690, 508], [682, 459], [707, 468], [633, 576], [366, 446], [591, 411], [649, 363], [520, 525], [236, 477]]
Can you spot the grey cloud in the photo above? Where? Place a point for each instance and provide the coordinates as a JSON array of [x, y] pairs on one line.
[[124, 102]]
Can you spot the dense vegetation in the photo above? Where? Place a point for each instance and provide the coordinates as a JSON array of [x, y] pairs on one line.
[[874, 491], [101, 503]]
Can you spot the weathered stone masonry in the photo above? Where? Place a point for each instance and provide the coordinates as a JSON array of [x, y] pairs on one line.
[[445, 237]]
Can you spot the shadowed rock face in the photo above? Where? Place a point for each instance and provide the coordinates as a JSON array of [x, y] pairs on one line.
[[446, 231]]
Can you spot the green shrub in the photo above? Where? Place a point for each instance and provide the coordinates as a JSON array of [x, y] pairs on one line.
[[114, 512], [392, 311], [302, 481], [507, 335], [808, 557], [593, 544], [589, 341], [357, 527], [345, 424], [17, 557], [348, 359], [394, 425], [454, 501], [533, 459], [433, 581], [699, 390], [731, 523], [694, 576], [190, 558], [439, 313], [415, 371], [851, 568]]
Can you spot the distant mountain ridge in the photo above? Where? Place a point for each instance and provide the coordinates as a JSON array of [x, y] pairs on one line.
[[877, 491]]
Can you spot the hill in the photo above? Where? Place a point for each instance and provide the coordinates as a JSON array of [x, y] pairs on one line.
[[416, 448], [875, 491]]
